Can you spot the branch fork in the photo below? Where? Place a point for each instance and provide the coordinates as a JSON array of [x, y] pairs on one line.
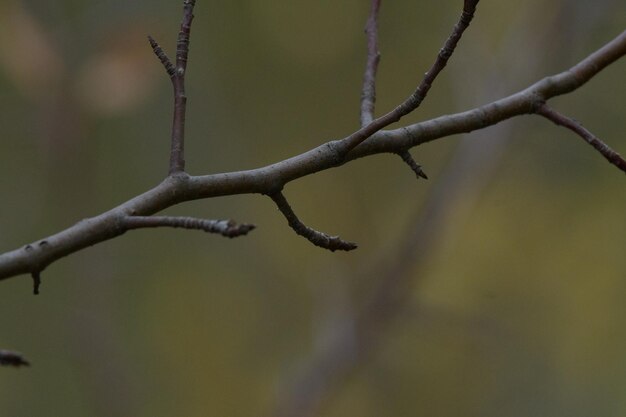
[[369, 139]]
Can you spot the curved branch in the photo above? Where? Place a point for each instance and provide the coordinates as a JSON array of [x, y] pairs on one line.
[[571, 124], [320, 239], [180, 187]]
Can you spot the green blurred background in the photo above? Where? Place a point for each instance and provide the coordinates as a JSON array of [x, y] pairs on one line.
[[516, 306]]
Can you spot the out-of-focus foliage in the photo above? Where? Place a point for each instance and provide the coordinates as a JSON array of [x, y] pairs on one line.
[[518, 312]]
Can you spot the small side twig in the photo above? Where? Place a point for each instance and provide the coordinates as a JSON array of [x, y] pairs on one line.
[[415, 99], [320, 239], [226, 228], [571, 124], [8, 358], [368, 94], [160, 53], [417, 168]]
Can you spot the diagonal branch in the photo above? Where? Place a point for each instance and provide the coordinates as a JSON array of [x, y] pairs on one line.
[[160, 53], [571, 124], [320, 239], [368, 94], [227, 228], [415, 99], [415, 167]]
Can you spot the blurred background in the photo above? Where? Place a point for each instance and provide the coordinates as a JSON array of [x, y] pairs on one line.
[[495, 288]]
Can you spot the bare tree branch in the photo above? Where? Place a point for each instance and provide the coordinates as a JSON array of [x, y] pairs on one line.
[[165, 60], [320, 239], [414, 100], [571, 124], [523, 102], [177, 153], [415, 167], [269, 180], [227, 228], [368, 94]]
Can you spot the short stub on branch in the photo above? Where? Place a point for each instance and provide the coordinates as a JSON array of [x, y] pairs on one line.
[[36, 275], [561, 120], [415, 167]]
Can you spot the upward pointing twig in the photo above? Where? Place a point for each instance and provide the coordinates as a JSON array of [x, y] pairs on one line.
[[368, 94], [160, 53], [415, 99], [177, 155], [176, 71]]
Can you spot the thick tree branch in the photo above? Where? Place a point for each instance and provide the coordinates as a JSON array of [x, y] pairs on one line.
[[180, 187], [571, 124]]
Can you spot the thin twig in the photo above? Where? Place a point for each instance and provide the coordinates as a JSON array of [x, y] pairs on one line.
[[226, 228], [368, 94], [177, 153], [8, 358], [160, 53], [415, 99], [320, 239], [417, 168], [573, 125]]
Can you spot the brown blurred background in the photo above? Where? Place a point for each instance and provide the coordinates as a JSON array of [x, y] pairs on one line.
[[515, 277]]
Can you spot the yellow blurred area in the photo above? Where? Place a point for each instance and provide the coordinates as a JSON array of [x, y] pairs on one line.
[[515, 302]]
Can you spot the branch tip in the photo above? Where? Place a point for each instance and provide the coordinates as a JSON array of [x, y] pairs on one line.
[[419, 94], [36, 275], [417, 168], [8, 358], [368, 91], [160, 53], [226, 228], [332, 243], [469, 6]]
